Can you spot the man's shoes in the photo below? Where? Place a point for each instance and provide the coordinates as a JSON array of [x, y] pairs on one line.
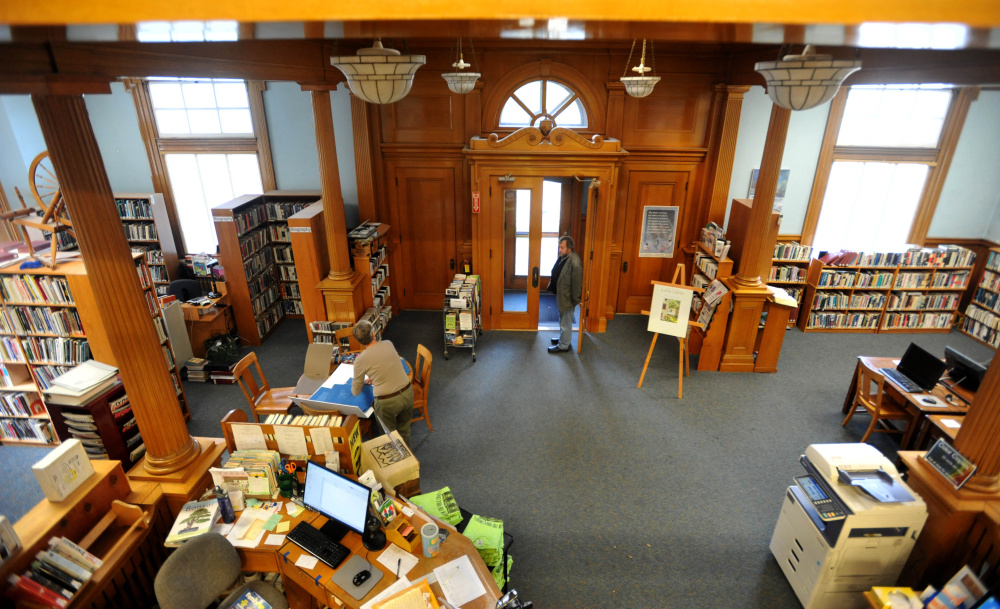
[[555, 349], [555, 341]]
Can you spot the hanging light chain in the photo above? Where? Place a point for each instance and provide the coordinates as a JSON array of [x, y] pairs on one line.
[[629, 60]]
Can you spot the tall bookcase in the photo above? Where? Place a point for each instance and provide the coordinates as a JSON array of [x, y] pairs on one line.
[[255, 249], [371, 256], [789, 269], [147, 229], [982, 316]]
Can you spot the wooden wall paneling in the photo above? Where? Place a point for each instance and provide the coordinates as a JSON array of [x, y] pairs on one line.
[[602, 219], [674, 115], [649, 188], [616, 109], [424, 195], [430, 113]]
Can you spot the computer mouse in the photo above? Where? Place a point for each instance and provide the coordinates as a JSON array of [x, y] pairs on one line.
[[928, 400], [361, 577]]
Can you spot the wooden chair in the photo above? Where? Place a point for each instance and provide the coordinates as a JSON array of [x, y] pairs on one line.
[[867, 399], [421, 385], [262, 399]]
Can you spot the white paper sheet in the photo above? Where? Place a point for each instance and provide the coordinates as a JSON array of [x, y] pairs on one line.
[[322, 440], [291, 440], [306, 561], [397, 586], [394, 555], [459, 581], [952, 423], [274, 540], [248, 437]]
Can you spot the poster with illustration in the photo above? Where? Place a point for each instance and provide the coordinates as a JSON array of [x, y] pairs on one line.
[[670, 310], [779, 193], [659, 225]]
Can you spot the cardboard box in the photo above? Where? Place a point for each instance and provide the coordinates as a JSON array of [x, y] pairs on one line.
[[63, 470], [398, 473]]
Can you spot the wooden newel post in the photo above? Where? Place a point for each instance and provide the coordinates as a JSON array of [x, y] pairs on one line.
[[111, 272]]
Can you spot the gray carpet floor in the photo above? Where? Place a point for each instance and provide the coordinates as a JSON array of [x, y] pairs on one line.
[[615, 496]]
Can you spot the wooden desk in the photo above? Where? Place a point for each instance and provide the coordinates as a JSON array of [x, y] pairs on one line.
[[309, 588], [206, 321], [264, 558], [917, 409]]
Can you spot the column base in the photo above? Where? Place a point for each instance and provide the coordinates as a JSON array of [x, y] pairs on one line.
[[741, 335], [344, 298], [171, 463], [188, 483]]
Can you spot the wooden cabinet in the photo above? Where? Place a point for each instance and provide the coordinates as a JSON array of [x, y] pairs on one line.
[[982, 316], [147, 229], [255, 249]]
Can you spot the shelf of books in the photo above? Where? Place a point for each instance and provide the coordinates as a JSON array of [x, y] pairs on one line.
[[370, 252], [917, 290], [789, 268], [105, 425], [982, 316], [147, 229], [463, 317], [255, 249]]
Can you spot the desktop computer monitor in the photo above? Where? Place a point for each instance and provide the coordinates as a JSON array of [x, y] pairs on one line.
[[964, 371], [340, 499]]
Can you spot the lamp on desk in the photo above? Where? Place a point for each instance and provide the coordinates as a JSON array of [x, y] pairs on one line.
[[373, 537]]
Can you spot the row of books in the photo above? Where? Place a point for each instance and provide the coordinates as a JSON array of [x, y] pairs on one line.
[[260, 283], [290, 290], [942, 255], [377, 260], [141, 231], [849, 258], [46, 374], [287, 272], [919, 300], [292, 307], [10, 350], [836, 279], [378, 277], [328, 327], [787, 273], [270, 317], [134, 209], [36, 430], [20, 404], [987, 299], [983, 332], [831, 300], [462, 311], [159, 274], [381, 298], [45, 320], [249, 219], [917, 320], [281, 211], [152, 303], [56, 574], [954, 279], [792, 251], [265, 299], [258, 262], [872, 279], [983, 316], [990, 281], [32, 289], [253, 241], [283, 254], [153, 255], [56, 350], [144, 279], [279, 233], [706, 265], [844, 320], [867, 300], [322, 420]]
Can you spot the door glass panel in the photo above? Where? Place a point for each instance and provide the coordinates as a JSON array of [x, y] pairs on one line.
[[521, 256], [551, 206], [550, 253], [522, 211], [517, 212]]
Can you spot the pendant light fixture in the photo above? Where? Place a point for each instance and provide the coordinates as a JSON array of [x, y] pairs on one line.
[[641, 85], [462, 82], [800, 82], [379, 75]]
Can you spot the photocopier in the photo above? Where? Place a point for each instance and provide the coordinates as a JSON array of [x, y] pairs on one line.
[[846, 525]]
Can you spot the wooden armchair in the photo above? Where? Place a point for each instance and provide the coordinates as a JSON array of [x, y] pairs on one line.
[[262, 399], [421, 385], [868, 398]]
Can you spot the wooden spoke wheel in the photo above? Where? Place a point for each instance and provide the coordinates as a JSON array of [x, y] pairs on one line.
[[45, 188]]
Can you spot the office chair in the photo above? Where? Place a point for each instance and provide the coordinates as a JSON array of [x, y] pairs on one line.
[[201, 570], [867, 400], [421, 385], [184, 289], [260, 396]]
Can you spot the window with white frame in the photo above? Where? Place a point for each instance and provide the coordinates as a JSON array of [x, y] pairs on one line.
[[541, 99]]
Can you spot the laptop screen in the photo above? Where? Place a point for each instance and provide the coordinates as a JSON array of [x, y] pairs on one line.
[[921, 367]]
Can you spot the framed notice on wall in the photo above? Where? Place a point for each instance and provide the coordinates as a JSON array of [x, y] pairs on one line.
[[659, 227]]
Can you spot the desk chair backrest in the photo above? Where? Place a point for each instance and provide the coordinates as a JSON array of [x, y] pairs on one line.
[[253, 390], [184, 289], [871, 387], [421, 385], [197, 573]]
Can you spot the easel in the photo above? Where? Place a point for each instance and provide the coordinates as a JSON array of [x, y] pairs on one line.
[[683, 364]]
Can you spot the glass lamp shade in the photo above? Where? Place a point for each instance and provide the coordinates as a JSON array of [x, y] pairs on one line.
[[461, 82], [378, 75], [639, 86], [800, 82]]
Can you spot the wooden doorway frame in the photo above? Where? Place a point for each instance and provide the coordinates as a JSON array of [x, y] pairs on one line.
[[529, 152]]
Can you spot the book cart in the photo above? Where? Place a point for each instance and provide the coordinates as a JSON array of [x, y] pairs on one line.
[[462, 310]]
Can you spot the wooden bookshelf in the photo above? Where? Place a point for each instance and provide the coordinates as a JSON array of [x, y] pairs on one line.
[[254, 241], [845, 298], [925, 299], [110, 415], [982, 316], [371, 257], [312, 262], [789, 269], [147, 229], [708, 343]]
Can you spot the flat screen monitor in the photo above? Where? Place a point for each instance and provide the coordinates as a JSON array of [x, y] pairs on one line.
[[965, 371], [921, 367], [338, 498]]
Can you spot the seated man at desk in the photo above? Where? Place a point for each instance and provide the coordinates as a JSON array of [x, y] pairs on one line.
[[380, 362]]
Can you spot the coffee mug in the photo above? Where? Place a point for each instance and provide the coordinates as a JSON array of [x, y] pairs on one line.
[[431, 539]]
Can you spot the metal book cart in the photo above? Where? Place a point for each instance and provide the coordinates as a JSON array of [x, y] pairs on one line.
[[462, 299]]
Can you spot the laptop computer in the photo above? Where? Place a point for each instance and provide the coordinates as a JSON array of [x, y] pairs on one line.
[[918, 366]]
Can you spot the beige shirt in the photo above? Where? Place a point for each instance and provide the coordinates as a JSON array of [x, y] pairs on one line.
[[381, 364]]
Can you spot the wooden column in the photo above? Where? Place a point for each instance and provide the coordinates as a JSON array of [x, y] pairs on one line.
[[361, 123], [111, 271], [341, 289], [725, 146], [977, 439], [749, 292]]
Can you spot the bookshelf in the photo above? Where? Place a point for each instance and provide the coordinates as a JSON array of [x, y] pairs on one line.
[[255, 249], [927, 290], [312, 264], [370, 253], [789, 269], [845, 298], [707, 343], [147, 229], [109, 417], [982, 316]]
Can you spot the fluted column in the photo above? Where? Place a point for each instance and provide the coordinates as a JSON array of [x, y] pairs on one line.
[[333, 197], [977, 439], [363, 158], [725, 151], [111, 273]]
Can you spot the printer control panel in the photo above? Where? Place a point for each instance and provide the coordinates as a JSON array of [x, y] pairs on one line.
[[826, 507]]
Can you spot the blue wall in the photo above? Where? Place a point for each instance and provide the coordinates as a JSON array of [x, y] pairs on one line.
[[21, 143], [116, 127], [13, 171]]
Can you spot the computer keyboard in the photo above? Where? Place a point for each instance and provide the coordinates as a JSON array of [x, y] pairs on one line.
[[901, 380], [319, 545]]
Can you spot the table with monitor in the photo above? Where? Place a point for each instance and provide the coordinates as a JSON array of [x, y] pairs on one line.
[[943, 386]]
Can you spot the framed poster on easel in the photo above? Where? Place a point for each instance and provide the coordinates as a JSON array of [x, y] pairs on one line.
[[668, 314]]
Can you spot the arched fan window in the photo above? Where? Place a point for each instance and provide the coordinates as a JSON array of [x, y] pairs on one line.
[[541, 99]]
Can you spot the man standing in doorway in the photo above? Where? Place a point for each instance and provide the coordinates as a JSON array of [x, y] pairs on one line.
[[567, 282], [393, 391]]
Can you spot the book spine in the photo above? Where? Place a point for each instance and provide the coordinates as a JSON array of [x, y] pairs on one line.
[[75, 553], [64, 564], [34, 591]]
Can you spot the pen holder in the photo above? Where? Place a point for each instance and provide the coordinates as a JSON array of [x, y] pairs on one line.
[[431, 539], [403, 534], [285, 484]]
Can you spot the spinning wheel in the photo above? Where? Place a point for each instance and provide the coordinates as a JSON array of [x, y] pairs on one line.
[[55, 217]]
